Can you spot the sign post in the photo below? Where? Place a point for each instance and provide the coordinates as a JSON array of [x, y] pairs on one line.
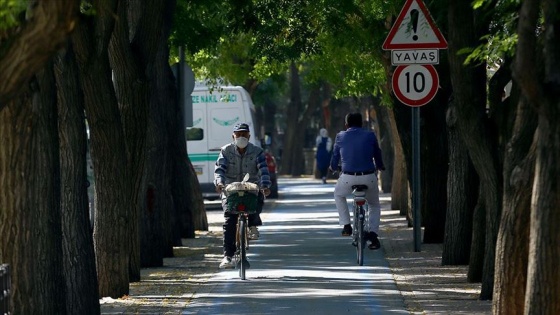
[[414, 41]]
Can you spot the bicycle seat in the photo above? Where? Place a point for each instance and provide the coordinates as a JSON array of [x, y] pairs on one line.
[[359, 187]]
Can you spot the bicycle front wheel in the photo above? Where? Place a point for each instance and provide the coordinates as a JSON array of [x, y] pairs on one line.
[[243, 263], [361, 239]]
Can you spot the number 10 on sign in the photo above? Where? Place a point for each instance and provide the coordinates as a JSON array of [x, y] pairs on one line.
[[415, 85]]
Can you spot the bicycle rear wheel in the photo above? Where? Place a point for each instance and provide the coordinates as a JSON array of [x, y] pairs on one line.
[[361, 240], [243, 263]]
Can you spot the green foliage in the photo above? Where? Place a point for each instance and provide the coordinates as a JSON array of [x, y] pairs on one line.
[[198, 24], [87, 8], [271, 90], [350, 41], [11, 12], [497, 47], [228, 58], [338, 41], [501, 40], [287, 29]]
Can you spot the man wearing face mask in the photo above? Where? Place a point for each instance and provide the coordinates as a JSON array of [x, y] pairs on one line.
[[235, 160]]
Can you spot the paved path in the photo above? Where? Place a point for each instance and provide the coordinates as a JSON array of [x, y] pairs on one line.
[[301, 265]]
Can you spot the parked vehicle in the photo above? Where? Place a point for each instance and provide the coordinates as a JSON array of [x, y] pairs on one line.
[[215, 113]]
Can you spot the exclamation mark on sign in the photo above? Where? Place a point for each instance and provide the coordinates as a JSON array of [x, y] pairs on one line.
[[414, 20]]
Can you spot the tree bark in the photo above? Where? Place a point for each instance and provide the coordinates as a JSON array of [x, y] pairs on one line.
[[156, 203], [292, 156], [512, 248], [537, 69], [476, 256], [30, 219], [48, 26], [190, 213], [132, 53], [108, 151], [387, 144], [185, 189], [79, 256], [400, 194], [469, 83], [433, 170], [434, 166], [462, 191], [400, 190]]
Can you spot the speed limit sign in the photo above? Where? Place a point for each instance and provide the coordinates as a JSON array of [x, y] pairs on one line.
[[415, 85]]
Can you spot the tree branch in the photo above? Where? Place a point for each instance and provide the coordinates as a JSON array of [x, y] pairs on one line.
[[40, 37]]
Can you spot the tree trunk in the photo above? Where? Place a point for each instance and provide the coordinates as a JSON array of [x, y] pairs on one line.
[[185, 189], [476, 256], [292, 157], [469, 83], [400, 190], [132, 96], [187, 197], [387, 144], [82, 295], [30, 219], [433, 169], [537, 70], [200, 221], [462, 191], [543, 279], [433, 165], [108, 151], [400, 194], [512, 248], [156, 203], [132, 53]]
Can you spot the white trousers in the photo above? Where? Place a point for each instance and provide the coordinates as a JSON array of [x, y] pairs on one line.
[[343, 189]]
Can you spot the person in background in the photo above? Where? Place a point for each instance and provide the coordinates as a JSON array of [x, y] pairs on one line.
[[323, 154], [357, 150], [234, 161]]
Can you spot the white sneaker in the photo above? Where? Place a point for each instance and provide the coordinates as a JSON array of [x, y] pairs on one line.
[[227, 263], [254, 233]]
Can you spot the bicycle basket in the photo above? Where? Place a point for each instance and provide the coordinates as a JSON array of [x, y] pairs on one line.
[[242, 197]]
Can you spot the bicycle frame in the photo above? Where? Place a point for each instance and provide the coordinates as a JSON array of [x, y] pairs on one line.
[[360, 213], [242, 244]]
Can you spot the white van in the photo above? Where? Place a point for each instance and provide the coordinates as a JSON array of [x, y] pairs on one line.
[[214, 116]]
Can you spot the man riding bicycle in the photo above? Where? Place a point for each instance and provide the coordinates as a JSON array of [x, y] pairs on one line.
[[356, 149], [234, 161]]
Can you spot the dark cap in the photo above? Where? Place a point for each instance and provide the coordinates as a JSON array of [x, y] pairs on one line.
[[241, 127]]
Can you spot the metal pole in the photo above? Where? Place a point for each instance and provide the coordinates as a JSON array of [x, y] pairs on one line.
[[416, 200]]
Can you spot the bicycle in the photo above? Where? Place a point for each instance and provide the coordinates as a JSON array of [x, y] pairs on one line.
[[242, 199], [360, 216]]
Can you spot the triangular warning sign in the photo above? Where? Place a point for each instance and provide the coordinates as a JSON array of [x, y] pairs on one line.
[[414, 29]]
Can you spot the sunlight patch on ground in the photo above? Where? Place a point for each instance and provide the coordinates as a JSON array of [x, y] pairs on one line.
[[317, 275]]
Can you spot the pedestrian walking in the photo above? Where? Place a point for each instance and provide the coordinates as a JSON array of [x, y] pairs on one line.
[[323, 154]]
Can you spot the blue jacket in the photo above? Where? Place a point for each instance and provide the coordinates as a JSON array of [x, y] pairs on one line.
[[355, 150]]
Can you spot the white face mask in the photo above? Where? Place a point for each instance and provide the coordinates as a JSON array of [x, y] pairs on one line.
[[241, 142]]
